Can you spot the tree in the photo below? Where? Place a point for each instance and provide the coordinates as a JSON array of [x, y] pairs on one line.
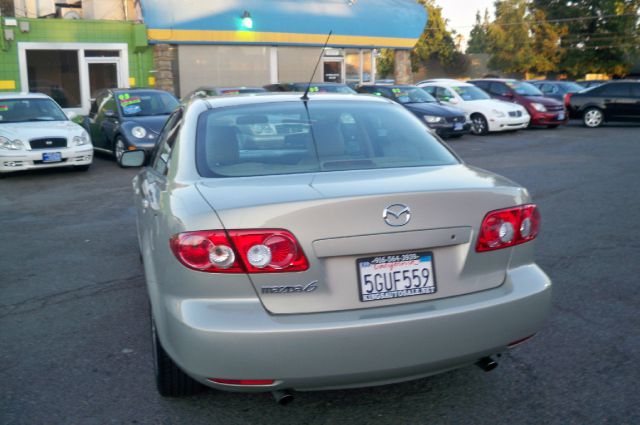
[[521, 41], [601, 36], [479, 35], [437, 43]]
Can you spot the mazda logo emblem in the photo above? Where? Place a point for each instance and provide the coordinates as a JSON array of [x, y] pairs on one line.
[[48, 142], [396, 215]]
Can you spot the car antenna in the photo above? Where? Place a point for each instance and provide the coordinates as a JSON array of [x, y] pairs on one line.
[[305, 96]]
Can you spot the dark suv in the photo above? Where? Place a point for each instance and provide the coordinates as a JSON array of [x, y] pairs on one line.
[[447, 121], [543, 110], [614, 101]]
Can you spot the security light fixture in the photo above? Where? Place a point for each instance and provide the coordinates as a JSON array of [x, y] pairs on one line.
[[247, 22]]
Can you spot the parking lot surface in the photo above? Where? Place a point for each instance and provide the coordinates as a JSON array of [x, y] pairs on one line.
[[74, 331]]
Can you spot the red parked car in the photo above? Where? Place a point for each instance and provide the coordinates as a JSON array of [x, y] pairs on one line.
[[543, 110]]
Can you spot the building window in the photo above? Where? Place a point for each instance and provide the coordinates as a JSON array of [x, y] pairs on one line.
[[352, 66], [55, 73]]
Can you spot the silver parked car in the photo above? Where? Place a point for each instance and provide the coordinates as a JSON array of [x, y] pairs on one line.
[[326, 243]]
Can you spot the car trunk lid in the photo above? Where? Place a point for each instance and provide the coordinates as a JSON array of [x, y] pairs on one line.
[[337, 218]]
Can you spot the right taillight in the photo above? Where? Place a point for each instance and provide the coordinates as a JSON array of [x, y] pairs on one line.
[[243, 251], [507, 227]]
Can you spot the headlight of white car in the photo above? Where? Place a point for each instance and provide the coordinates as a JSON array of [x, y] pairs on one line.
[[538, 107], [497, 113], [431, 119], [139, 132], [83, 139], [14, 145]]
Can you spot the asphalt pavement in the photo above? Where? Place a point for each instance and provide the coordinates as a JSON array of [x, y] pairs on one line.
[[74, 330]]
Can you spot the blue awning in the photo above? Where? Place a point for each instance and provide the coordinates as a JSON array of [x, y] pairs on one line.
[[357, 23]]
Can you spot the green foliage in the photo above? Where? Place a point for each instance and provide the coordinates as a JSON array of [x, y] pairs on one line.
[[601, 36], [436, 42], [521, 40], [479, 36], [385, 63]]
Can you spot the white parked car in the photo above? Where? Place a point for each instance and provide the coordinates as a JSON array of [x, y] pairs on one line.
[[35, 133], [487, 114]]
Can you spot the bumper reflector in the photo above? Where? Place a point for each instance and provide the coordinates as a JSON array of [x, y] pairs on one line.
[[519, 341], [242, 381]]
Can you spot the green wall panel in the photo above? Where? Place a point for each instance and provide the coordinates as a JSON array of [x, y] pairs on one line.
[[76, 31]]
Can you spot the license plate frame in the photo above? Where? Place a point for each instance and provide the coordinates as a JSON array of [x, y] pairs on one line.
[[392, 279], [52, 157], [561, 116], [458, 126]]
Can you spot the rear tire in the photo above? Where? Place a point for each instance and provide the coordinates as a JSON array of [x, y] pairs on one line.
[[171, 381], [593, 117], [479, 125]]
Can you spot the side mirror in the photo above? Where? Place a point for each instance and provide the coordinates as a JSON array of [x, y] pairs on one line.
[[133, 158], [110, 113], [71, 115], [509, 95], [453, 100]]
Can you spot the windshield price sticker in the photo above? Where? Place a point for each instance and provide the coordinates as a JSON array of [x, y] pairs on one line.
[[126, 99], [396, 276], [4, 108]]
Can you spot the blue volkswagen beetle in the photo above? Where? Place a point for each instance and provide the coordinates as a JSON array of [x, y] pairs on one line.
[[128, 119]]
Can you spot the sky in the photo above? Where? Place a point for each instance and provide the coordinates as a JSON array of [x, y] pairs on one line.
[[462, 14]]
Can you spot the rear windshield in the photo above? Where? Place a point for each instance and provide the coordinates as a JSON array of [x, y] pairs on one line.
[[282, 138]]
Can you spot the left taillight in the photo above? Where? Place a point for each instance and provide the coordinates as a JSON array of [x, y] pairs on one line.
[[508, 227], [252, 251], [567, 99]]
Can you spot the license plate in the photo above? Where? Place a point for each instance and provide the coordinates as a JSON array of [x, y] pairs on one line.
[[457, 126], [560, 116], [51, 157], [396, 276]]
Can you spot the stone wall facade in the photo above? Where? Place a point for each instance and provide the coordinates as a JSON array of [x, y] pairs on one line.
[[164, 64], [402, 71]]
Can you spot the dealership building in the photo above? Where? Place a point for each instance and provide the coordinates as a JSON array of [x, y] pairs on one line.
[[258, 42], [70, 49]]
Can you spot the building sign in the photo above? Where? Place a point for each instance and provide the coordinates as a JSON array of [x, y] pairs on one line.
[[371, 23]]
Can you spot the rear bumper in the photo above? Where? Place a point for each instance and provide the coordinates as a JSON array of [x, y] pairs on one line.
[[32, 160], [238, 339]]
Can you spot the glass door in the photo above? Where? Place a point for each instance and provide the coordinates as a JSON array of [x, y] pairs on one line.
[[102, 76], [332, 70]]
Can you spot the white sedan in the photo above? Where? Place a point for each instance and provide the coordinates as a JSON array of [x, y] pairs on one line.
[[486, 114], [35, 133]]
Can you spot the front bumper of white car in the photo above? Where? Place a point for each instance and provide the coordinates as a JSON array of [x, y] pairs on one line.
[[508, 123], [20, 160]]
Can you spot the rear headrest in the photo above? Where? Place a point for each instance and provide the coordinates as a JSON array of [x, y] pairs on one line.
[[252, 119], [222, 146]]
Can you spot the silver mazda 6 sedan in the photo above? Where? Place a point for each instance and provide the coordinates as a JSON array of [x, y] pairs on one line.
[[326, 243]]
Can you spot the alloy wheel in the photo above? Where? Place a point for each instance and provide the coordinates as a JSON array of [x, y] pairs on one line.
[[593, 118]]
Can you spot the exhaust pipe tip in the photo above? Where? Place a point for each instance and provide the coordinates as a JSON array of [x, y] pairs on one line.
[[487, 364], [282, 397]]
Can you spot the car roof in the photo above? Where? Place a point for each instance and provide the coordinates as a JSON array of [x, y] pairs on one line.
[[448, 83], [277, 97], [390, 86], [23, 95], [498, 80]]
